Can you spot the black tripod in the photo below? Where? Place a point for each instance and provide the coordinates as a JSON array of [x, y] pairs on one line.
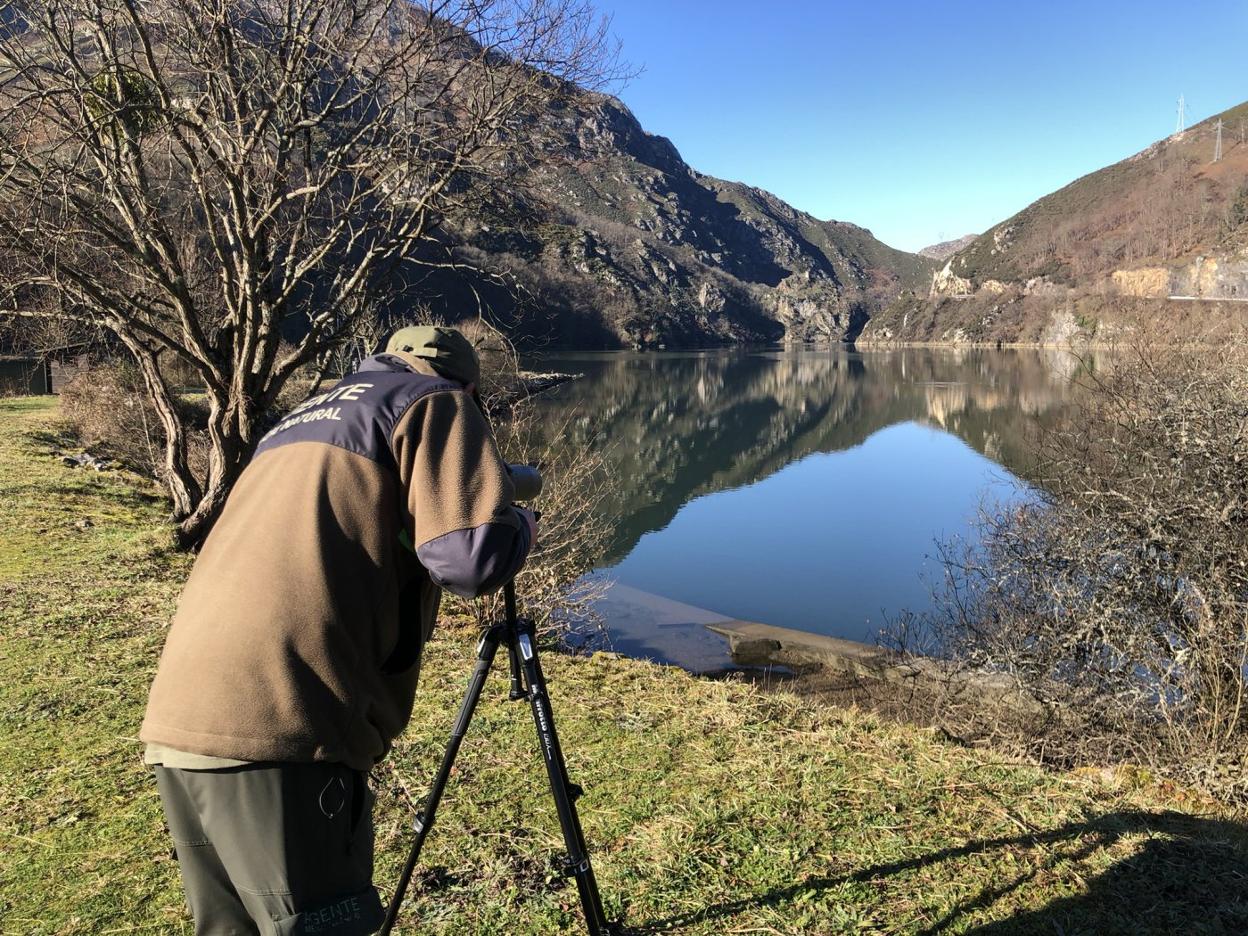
[[527, 682]]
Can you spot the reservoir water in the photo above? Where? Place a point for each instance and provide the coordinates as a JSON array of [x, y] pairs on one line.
[[801, 488]]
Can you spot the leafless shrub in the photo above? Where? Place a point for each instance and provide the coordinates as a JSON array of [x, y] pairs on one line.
[[575, 525], [108, 410], [1119, 598]]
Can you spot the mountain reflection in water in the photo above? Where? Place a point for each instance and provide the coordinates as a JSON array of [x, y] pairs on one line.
[[769, 486]]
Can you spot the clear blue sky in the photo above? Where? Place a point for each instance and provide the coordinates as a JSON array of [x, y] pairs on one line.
[[923, 121]]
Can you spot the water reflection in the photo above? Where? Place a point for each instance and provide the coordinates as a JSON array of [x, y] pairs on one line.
[[799, 488], [678, 426]]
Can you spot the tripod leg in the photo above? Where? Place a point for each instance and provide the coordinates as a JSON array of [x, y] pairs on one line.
[[513, 652], [565, 793], [424, 821], [517, 685]]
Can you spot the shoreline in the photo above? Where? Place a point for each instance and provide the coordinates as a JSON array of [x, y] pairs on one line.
[[819, 665], [649, 627], [986, 345]]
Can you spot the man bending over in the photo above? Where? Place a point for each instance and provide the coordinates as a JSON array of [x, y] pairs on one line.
[[292, 662]]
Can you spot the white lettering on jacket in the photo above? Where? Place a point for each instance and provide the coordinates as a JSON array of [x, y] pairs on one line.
[[334, 413], [306, 412]]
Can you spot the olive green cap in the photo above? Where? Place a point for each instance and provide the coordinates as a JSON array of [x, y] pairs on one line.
[[451, 354]]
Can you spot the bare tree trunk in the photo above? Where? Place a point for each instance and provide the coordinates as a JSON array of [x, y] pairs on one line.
[[175, 471], [232, 423]]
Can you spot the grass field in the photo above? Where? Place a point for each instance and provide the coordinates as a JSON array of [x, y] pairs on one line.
[[711, 807]]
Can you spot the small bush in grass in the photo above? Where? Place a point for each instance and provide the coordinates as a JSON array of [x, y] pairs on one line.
[[107, 408]]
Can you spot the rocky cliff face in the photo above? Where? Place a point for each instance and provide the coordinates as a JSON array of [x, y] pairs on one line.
[[1218, 277], [623, 244]]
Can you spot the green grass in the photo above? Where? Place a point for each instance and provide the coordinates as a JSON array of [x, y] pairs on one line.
[[711, 807]]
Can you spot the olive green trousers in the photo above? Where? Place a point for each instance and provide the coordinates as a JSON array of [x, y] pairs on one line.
[[274, 849]]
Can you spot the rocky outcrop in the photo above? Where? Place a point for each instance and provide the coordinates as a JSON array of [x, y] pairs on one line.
[[1146, 282], [1220, 277], [947, 283], [1063, 329], [1214, 277]]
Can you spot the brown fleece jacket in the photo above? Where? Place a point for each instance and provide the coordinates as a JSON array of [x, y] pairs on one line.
[[299, 633]]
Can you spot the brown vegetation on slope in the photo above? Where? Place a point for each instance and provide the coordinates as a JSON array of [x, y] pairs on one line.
[[1077, 264]]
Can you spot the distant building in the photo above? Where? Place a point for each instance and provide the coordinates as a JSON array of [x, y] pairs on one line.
[[33, 376], [64, 369], [21, 376]]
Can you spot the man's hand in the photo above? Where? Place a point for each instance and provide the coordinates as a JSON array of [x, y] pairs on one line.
[[531, 519]]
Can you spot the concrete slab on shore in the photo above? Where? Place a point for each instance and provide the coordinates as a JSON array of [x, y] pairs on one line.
[[651, 627], [753, 644]]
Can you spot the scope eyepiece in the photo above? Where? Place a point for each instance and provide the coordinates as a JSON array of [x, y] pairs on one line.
[[527, 481]]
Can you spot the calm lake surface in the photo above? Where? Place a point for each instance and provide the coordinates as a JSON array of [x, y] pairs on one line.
[[802, 488]]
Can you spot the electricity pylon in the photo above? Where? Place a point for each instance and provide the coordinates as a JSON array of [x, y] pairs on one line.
[[1181, 125], [1217, 147]]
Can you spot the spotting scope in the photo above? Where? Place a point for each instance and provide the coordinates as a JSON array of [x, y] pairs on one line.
[[527, 481]]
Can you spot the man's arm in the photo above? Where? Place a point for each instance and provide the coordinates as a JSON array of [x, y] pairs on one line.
[[458, 494]]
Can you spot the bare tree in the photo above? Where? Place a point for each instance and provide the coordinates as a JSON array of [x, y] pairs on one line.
[[238, 184]]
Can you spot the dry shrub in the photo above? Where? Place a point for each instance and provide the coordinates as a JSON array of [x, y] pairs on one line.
[[574, 525], [574, 528], [1119, 599], [109, 410]]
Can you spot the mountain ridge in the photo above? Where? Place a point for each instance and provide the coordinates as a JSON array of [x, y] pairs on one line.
[[626, 245], [946, 249], [1100, 257]]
